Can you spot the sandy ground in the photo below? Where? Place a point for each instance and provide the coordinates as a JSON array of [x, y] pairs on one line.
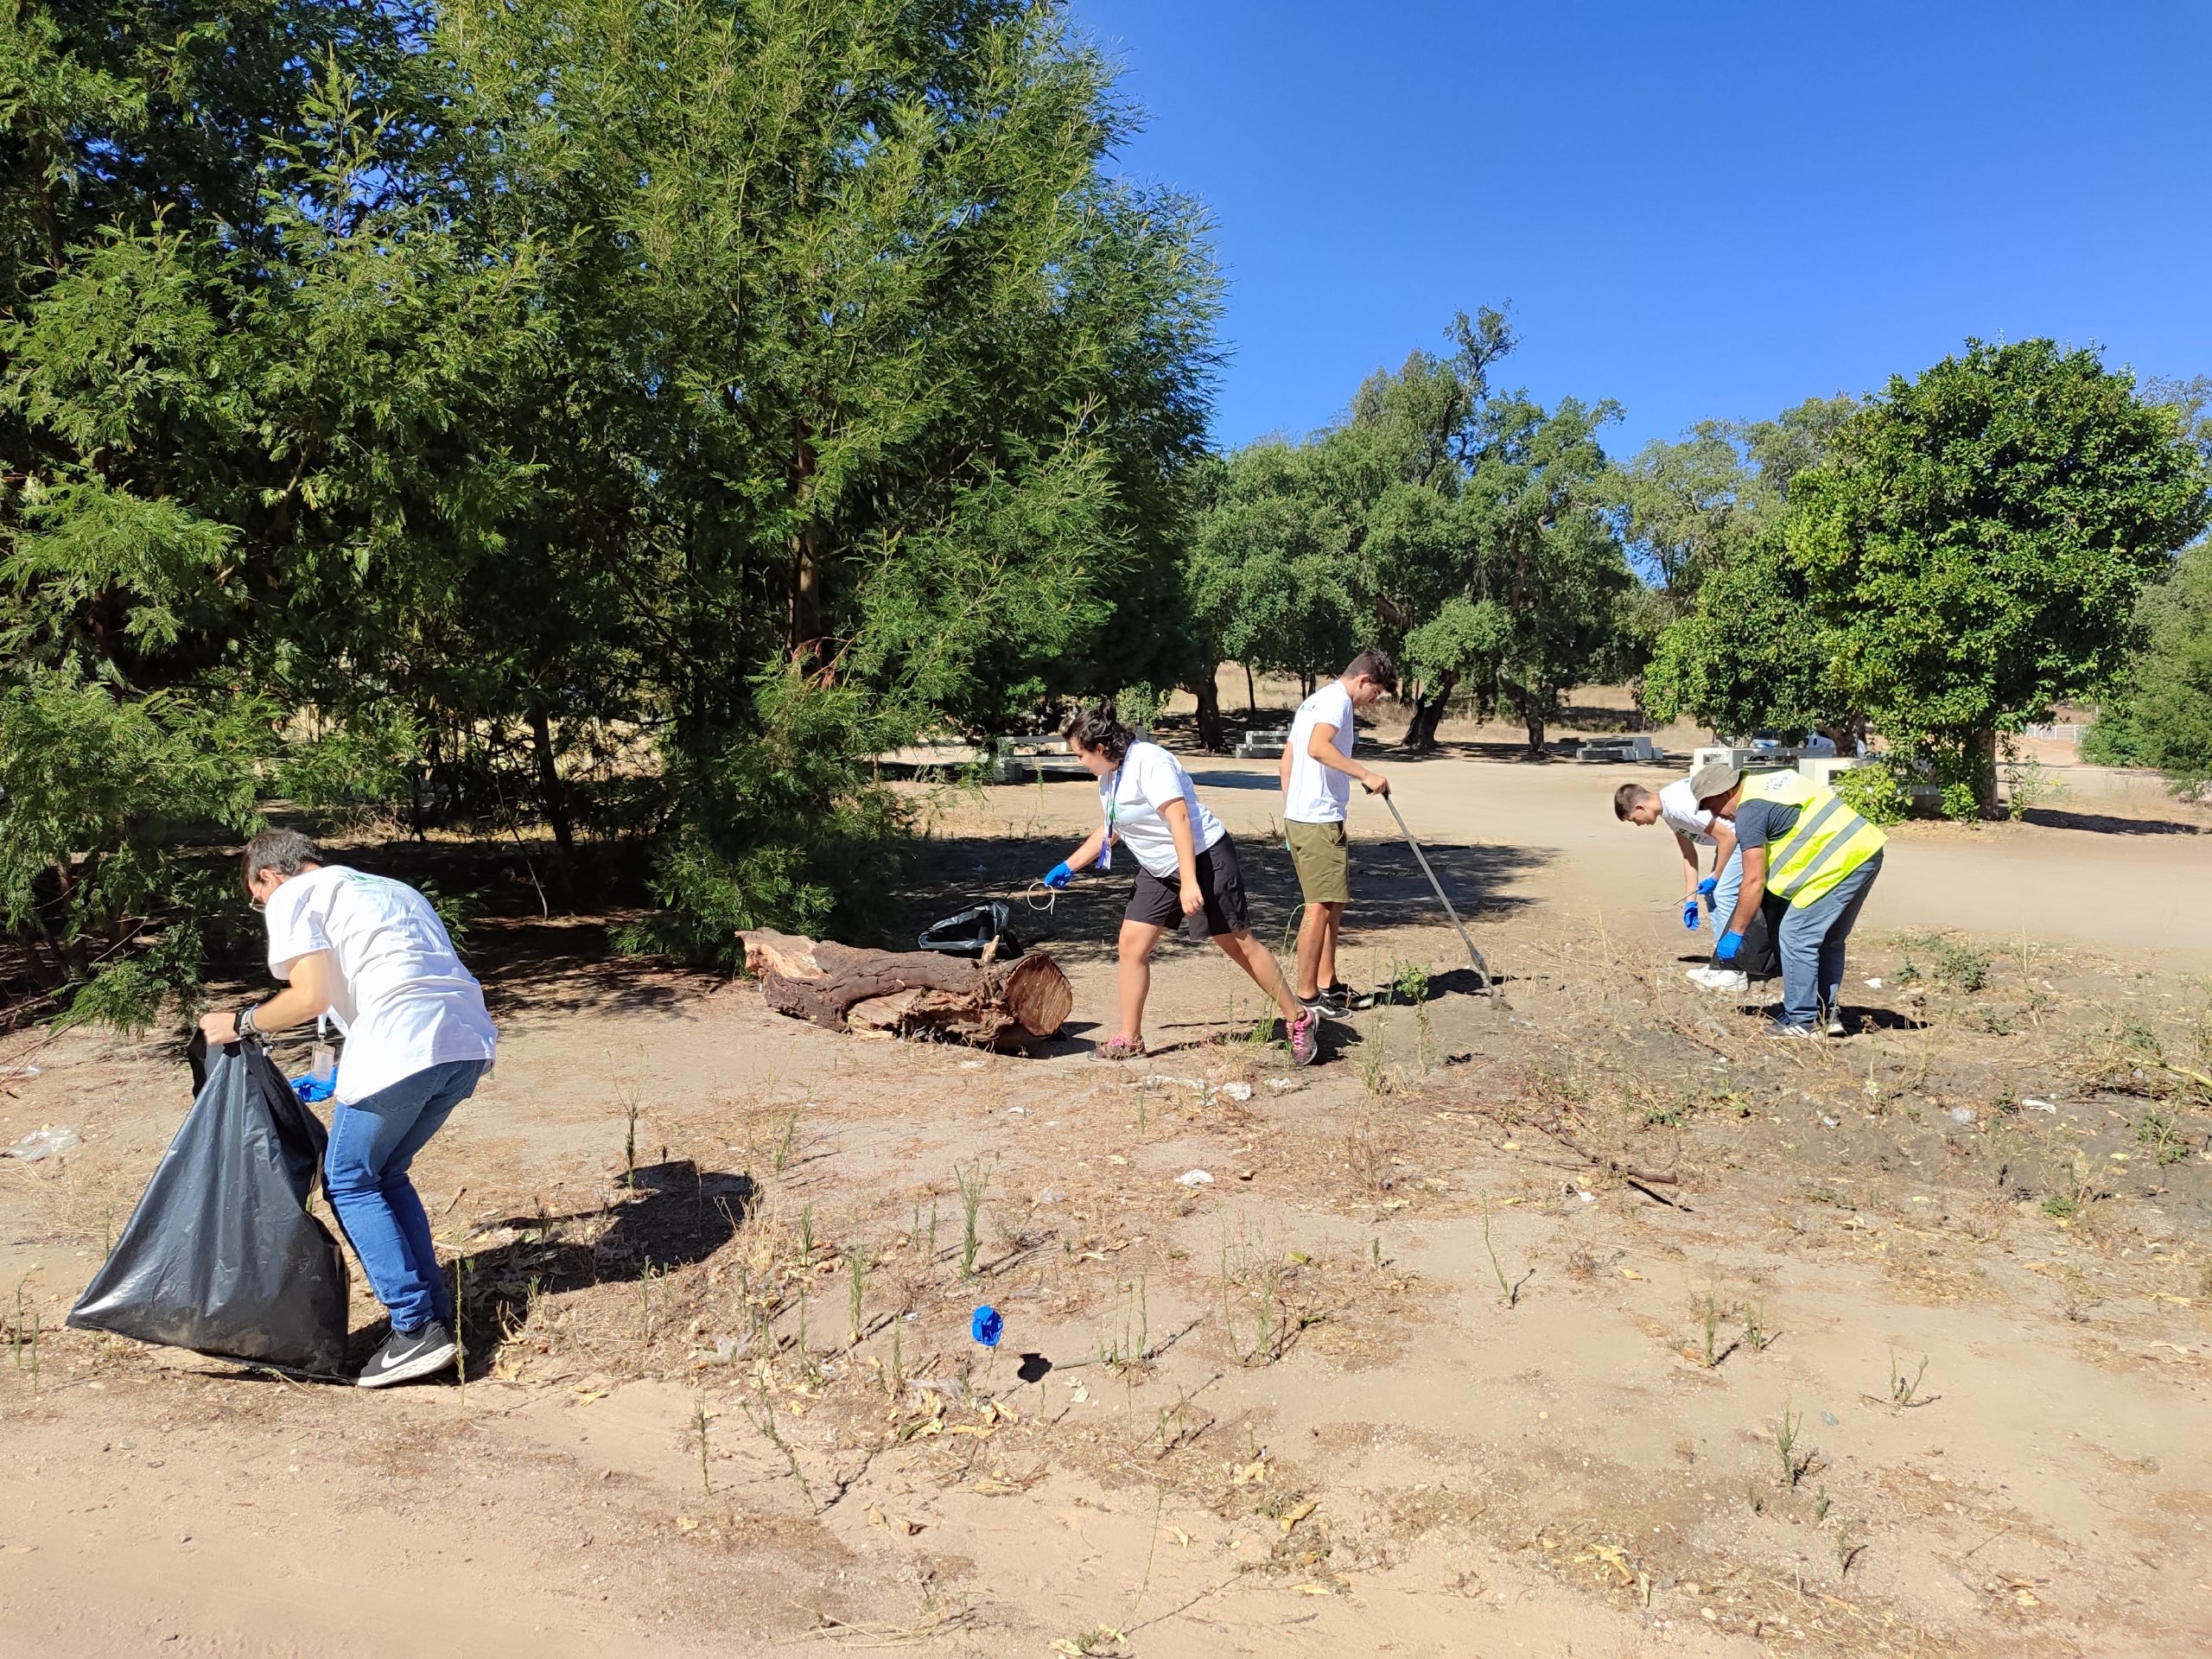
[[1425, 1368]]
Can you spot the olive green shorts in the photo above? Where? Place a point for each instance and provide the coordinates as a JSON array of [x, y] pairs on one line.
[[1322, 856]]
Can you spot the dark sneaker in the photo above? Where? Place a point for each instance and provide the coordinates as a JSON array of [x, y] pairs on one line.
[[1784, 1028], [1317, 1004], [408, 1355], [1340, 998], [1305, 1037]]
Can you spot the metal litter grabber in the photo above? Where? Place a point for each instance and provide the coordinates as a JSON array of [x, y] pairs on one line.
[[1482, 968]]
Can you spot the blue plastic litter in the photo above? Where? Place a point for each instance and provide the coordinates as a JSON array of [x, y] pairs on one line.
[[987, 1326]]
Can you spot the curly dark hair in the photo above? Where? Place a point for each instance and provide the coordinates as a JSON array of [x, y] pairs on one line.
[[1097, 728]]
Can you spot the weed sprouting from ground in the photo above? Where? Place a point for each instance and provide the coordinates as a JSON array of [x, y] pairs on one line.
[[1845, 1551], [786, 1144], [1905, 1391], [1785, 1446], [2159, 1130], [764, 1425], [699, 1423], [856, 1289], [1711, 1320], [973, 1181], [1506, 1287], [806, 1236]]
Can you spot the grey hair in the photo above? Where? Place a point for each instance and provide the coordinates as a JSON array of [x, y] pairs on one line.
[[285, 851]]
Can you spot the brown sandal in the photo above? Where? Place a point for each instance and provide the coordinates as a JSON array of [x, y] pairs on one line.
[[1118, 1048]]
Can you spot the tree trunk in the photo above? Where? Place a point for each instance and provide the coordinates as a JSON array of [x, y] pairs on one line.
[[913, 993], [1212, 736], [1251, 694], [550, 794], [1981, 752], [1536, 725], [1428, 712]]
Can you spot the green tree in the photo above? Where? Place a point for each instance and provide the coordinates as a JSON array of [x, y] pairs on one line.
[[1973, 550], [2163, 716]]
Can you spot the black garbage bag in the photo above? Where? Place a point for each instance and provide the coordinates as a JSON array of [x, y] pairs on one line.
[[972, 931], [221, 1256]]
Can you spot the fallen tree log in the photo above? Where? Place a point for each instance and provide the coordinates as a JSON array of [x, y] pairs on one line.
[[912, 993]]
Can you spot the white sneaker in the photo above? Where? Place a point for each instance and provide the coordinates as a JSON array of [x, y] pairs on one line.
[[1732, 981]]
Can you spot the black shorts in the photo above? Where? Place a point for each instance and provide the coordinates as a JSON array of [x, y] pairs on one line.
[[1158, 902]]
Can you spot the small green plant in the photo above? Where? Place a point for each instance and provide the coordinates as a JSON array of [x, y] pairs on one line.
[[1711, 1320], [1820, 1505], [973, 1181], [2059, 1207], [1905, 1391], [1374, 1051], [764, 1426], [1128, 1340], [2027, 781], [1752, 1495], [2159, 1130], [787, 1144], [857, 1287], [1845, 1551], [645, 1298], [1785, 1446], [896, 1378], [1961, 803], [1756, 1335], [806, 1236], [1507, 1288], [1960, 967], [628, 1097]]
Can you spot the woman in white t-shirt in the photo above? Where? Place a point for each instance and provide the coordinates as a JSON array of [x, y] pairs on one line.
[[1187, 875], [373, 955]]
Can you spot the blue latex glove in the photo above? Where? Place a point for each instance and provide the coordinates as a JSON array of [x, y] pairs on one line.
[[1689, 912], [1705, 888], [1058, 876], [986, 1326], [1729, 945]]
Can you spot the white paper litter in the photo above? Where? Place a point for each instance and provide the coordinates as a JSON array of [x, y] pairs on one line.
[[1234, 1090], [2039, 1105], [1162, 1079], [1194, 1177], [1874, 984]]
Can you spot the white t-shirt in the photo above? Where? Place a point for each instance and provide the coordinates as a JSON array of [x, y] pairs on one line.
[[1680, 810], [1319, 794], [1130, 798], [402, 999]]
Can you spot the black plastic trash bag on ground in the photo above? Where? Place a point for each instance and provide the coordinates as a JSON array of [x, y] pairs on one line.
[[972, 931], [221, 1256]]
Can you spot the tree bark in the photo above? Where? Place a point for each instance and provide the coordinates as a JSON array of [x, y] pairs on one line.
[[1212, 735], [1981, 751], [913, 993], [1536, 725], [1251, 694], [1428, 712], [550, 794]]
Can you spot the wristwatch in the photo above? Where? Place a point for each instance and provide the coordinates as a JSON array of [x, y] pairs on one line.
[[246, 1027]]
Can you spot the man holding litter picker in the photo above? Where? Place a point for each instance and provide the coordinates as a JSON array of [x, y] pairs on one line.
[[373, 955], [1316, 774]]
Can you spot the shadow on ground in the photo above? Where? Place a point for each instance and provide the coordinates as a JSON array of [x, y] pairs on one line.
[[2102, 824]]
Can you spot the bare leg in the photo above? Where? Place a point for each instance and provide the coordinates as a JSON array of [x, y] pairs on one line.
[[1317, 948], [1135, 975], [1258, 961]]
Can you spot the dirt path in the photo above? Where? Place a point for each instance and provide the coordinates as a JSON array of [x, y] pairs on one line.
[[1288, 1410]]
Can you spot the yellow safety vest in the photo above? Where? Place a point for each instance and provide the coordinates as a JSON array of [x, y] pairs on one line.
[[1827, 843]]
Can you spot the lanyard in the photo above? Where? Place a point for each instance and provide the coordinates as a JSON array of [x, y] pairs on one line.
[[1113, 817]]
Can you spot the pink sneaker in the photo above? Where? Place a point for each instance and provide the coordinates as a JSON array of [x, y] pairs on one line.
[[1305, 1037]]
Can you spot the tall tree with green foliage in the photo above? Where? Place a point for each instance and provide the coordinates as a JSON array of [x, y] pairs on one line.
[[1975, 550], [2161, 716]]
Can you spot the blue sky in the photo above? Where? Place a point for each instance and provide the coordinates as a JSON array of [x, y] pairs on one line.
[[1700, 210]]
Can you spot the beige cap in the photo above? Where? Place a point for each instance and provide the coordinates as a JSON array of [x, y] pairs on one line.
[[1714, 778]]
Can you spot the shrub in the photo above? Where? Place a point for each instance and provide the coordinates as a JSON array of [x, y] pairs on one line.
[[1874, 794]]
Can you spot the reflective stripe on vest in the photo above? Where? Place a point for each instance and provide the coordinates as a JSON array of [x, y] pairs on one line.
[[1826, 844]]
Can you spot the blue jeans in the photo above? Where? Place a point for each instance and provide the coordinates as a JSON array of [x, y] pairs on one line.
[[365, 1173], [1810, 941], [1730, 882]]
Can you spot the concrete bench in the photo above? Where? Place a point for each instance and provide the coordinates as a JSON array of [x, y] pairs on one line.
[[1260, 744]]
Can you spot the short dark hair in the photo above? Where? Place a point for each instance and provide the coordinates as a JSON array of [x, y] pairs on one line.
[[1376, 666], [285, 851], [1627, 799], [1097, 728]]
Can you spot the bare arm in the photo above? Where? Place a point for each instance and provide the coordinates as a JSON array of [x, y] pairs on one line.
[[1724, 844], [1322, 748], [1176, 815], [1688, 849], [1282, 771], [1087, 854], [1754, 889], [314, 977]]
